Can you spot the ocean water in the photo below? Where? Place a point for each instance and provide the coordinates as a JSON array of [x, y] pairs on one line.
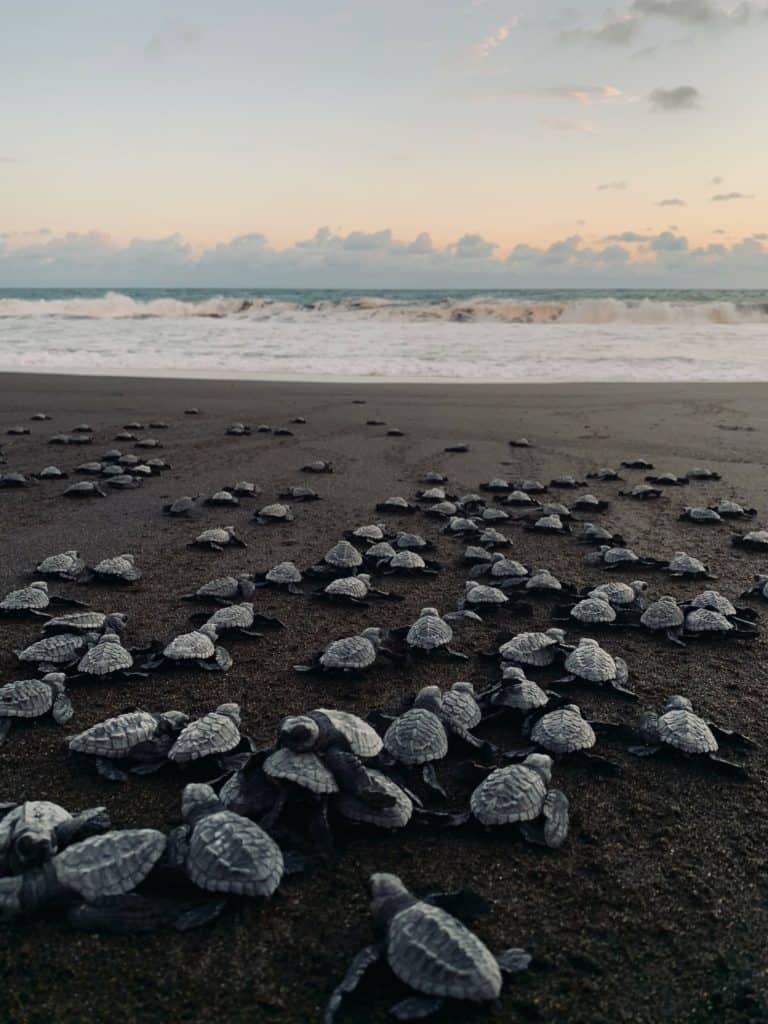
[[495, 335]]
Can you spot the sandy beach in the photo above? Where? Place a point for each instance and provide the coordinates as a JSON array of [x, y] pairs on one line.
[[655, 909]]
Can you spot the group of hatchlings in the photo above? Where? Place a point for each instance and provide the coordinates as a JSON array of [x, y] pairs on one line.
[[265, 813]]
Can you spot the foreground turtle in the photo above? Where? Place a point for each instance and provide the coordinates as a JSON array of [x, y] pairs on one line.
[[285, 575], [183, 506], [118, 569], [622, 558], [727, 509], [351, 654], [343, 559], [222, 851], [224, 590], [103, 865], [682, 564], [215, 733], [755, 539], [197, 648], [536, 649], [136, 742], [66, 566], [34, 698], [590, 663], [353, 590], [562, 731], [34, 831], [32, 600], [428, 634], [709, 624], [217, 538], [428, 949], [665, 616], [55, 652], [679, 729], [275, 513], [701, 515], [84, 489], [418, 738]]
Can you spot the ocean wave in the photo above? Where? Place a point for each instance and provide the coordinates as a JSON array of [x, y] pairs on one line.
[[119, 306]]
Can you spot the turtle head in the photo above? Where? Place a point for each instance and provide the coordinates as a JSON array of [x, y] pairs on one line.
[[198, 800], [56, 681], [541, 764], [128, 557], [247, 586], [117, 621], [365, 577], [40, 585], [109, 638], [678, 703], [639, 586], [230, 530], [512, 673], [298, 732], [648, 727], [374, 634], [463, 687], [429, 612], [210, 629], [174, 720], [430, 698], [33, 846], [230, 711], [557, 634], [388, 897]]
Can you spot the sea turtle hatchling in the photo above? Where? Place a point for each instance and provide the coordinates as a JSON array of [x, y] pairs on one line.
[[700, 515], [728, 509], [222, 498], [106, 660], [221, 851], [619, 594], [702, 473], [642, 492], [592, 533], [535, 649], [667, 480], [84, 489], [117, 569], [518, 497], [327, 728], [590, 663], [34, 698], [89, 622], [224, 590], [244, 489], [285, 575], [637, 464], [237, 618], [622, 558], [215, 733], [299, 494], [756, 539], [350, 654], [392, 815], [34, 831], [429, 950], [708, 624], [352, 590], [759, 587], [318, 466], [66, 566], [32, 600], [53, 653], [592, 612], [183, 506], [567, 481], [515, 693], [549, 524], [217, 538], [371, 533], [406, 563], [102, 865], [237, 430], [682, 564], [51, 473], [680, 730], [196, 648], [343, 559], [428, 634], [559, 732], [604, 473], [418, 738], [397, 504], [664, 616], [274, 513], [136, 741]]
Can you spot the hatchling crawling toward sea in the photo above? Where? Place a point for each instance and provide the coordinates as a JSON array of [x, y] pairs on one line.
[[417, 739], [350, 654], [88, 622], [217, 538], [34, 698], [184, 506], [237, 429], [667, 480], [559, 732], [709, 624], [224, 590], [107, 659], [604, 473], [110, 864], [221, 851], [678, 729], [118, 569], [274, 513], [58, 652], [299, 494], [84, 489], [591, 533], [682, 564], [535, 649], [283, 576], [318, 466], [244, 489], [642, 492], [428, 634], [11, 480], [622, 558], [353, 590], [727, 509], [514, 694], [196, 649], [136, 742], [701, 515], [343, 559], [226, 498], [549, 524], [405, 563], [34, 831], [429, 950], [591, 612], [212, 735], [624, 596], [32, 600], [460, 525], [755, 539], [664, 616], [589, 663], [237, 618], [51, 473], [590, 503]]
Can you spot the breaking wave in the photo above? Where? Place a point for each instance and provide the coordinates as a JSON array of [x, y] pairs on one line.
[[115, 305]]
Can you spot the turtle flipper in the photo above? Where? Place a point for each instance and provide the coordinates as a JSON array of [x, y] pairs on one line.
[[643, 750], [5, 728], [362, 960], [80, 826], [730, 736], [416, 1007], [728, 767], [556, 818], [463, 904], [429, 776], [601, 765], [108, 770], [195, 915], [62, 709], [512, 961]]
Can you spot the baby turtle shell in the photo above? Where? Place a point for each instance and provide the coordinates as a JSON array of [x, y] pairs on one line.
[[362, 739], [222, 498], [754, 539], [507, 568], [536, 649], [381, 551], [714, 600], [429, 632], [54, 650], [393, 815], [199, 644], [706, 620], [593, 611], [699, 514], [86, 622], [109, 864], [217, 538], [563, 731], [351, 588], [682, 564], [32, 698], [214, 733], [50, 473], [115, 737], [620, 595], [300, 494], [519, 693], [518, 793], [590, 662], [343, 556], [476, 595], [84, 489], [119, 569], [223, 588], [105, 658], [180, 507], [33, 598], [416, 737], [303, 768], [643, 492], [319, 466], [283, 574], [227, 852], [679, 727], [350, 653], [275, 513], [663, 614], [460, 706], [543, 580]]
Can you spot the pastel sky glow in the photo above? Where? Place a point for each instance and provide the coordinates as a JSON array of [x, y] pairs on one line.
[[440, 142]]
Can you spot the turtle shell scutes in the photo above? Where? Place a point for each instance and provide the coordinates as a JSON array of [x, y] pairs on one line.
[[67, 562], [212, 734], [54, 649], [105, 658], [514, 793], [362, 738], [189, 646], [438, 955], [304, 769], [229, 853], [343, 556], [355, 652], [707, 620], [26, 698], [662, 614], [234, 616], [593, 609], [397, 815], [348, 586], [416, 737], [429, 632], [687, 732], [589, 661], [462, 708], [563, 732], [109, 864], [33, 597], [283, 572], [538, 649], [121, 567], [115, 737]]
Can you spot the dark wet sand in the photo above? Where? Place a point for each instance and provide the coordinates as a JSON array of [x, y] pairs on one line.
[[656, 907]]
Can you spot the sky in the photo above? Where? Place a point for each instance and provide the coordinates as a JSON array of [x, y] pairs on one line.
[[353, 142]]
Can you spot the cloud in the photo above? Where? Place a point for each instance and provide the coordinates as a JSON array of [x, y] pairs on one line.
[[606, 186], [682, 97], [623, 28], [564, 124], [582, 93], [377, 259], [717, 180], [486, 46], [619, 31], [727, 197], [674, 201]]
